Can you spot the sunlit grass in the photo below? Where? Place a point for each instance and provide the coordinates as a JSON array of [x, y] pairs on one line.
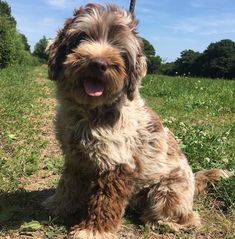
[[200, 112]]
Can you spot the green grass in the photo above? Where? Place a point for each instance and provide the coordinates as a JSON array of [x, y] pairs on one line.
[[19, 141], [201, 113]]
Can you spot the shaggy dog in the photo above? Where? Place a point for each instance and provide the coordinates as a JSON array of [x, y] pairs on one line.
[[116, 150]]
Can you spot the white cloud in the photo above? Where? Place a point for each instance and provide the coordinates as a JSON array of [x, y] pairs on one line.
[[47, 21], [207, 3], [145, 10], [61, 3], [185, 26], [57, 3], [206, 25]]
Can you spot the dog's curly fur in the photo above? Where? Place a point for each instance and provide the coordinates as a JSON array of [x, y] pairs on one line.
[[116, 149]]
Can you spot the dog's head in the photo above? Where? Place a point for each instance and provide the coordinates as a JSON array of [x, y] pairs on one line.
[[98, 55]]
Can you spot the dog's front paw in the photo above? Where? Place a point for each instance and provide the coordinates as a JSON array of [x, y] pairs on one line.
[[81, 234], [51, 204], [78, 233], [59, 206]]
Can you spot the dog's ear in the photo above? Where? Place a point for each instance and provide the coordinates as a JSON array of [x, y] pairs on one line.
[[56, 51], [56, 56], [136, 73], [58, 48]]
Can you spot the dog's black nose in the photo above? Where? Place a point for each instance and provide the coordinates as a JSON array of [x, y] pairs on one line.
[[99, 65]]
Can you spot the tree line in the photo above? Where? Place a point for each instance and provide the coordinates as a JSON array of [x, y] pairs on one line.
[[14, 47], [217, 61]]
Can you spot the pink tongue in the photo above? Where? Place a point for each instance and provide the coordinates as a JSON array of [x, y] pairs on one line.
[[93, 88]]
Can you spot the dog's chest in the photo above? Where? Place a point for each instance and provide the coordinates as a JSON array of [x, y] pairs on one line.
[[106, 147]]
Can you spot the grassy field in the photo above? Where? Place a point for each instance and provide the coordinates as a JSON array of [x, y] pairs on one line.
[[201, 112]]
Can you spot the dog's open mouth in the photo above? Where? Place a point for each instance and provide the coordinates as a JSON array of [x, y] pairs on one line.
[[93, 87]]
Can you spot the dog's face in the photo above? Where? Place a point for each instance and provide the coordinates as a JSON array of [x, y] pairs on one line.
[[98, 56]]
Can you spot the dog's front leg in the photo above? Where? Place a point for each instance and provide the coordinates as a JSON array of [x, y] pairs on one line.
[[71, 193], [107, 205]]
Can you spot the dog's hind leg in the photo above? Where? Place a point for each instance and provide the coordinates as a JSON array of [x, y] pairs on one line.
[[106, 205], [170, 201]]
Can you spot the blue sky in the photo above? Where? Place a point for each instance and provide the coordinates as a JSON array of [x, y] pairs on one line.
[[170, 25]]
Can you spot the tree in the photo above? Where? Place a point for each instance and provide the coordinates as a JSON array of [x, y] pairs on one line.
[[25, 42], [12, 44], [5, 11], [186, 63], [153, 61], [40, 49], [12, 49], [168, 68], [148, 48], [218, 60], [154, 64]]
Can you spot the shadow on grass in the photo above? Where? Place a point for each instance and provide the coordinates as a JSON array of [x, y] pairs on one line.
[[20, 207]]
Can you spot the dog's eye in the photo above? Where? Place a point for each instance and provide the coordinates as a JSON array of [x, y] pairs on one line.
[[126, 58], [82, 36], [76, 40]]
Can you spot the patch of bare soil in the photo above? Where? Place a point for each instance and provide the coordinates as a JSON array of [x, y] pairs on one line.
[[5, 147], [43, 178], [47, 130]]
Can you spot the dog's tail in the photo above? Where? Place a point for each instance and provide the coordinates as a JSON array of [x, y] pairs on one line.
[[203, 177]]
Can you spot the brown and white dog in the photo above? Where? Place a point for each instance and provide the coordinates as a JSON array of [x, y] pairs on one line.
[[116, 150]]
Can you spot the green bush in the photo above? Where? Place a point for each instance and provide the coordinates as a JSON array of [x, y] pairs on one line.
[[154, 64], [153, 61], [40, 49], [5, 10], [13, 47], [5, 45]]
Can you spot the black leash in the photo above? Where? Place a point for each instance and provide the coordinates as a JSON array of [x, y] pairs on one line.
[[132, 6]]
